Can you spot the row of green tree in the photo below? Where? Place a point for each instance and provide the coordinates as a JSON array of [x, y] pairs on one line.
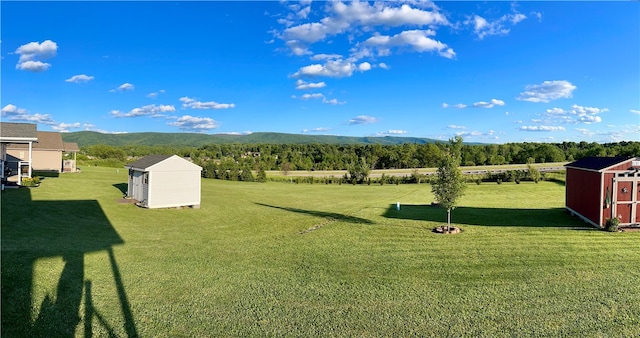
[[287, 157]]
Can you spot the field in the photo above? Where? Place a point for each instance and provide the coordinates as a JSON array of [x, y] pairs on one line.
[[281, 259]]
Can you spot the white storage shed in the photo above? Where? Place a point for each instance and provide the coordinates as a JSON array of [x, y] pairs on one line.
[[164, 181]]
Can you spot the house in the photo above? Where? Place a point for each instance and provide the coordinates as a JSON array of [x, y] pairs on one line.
[[598, 188], [164, 181], [47, 153], [13, 168]]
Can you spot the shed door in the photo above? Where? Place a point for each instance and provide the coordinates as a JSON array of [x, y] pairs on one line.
[[138, 193], [626, 191]]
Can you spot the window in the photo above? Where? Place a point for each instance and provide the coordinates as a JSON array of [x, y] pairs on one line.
[[145, 178]]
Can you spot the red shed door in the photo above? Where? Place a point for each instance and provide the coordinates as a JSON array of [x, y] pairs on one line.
[[627, 194]]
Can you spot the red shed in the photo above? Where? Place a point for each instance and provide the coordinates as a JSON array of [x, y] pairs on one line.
[[604, 187]]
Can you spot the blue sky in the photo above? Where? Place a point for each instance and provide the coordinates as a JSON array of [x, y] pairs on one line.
[[493, 72]]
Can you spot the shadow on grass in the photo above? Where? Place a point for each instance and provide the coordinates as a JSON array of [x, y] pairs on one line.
[[336, 216], [46, 173], [36, 230], [553, 217], [123, 187]]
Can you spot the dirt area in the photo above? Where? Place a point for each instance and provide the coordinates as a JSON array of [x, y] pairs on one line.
[[443, 230], [126, 201]]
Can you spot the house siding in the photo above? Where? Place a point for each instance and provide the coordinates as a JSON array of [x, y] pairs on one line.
[[172, 189]]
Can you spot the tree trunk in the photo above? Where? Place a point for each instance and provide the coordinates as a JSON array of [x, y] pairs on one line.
[[448, 220]]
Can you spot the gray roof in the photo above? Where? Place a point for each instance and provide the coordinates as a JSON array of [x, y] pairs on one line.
[[9, 130], [147, 161], [597, 163]]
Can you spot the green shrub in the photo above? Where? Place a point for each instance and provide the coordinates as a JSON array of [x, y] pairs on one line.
[[612, 224], [30, 182]]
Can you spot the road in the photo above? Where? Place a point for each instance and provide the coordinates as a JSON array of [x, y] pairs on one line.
[[552, 167]]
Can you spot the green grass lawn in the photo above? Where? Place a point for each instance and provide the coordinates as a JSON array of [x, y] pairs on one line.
[[278, 259]]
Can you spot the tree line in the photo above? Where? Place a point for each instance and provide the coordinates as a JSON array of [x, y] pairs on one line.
[[289, 157]]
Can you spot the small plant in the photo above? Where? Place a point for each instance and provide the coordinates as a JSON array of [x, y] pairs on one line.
[[612, 224], [30, 182]]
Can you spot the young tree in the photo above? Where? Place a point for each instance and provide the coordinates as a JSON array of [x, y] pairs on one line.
[[358, 170], [449, 185], [532, 171]]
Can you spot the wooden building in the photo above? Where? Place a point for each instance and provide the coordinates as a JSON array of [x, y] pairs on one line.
[[599, 188]]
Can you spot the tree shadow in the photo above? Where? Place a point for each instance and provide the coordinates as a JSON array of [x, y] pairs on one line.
[[504, 217], [123, 187], [323, 214], [36, 230]]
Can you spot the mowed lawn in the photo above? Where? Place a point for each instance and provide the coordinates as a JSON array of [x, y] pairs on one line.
[[279, 259]]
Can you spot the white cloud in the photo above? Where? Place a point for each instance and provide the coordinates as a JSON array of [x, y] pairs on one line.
[[577, 114], [326, 57], [363, 119], [148, 110], [316, 130], [585, 132], [195, 124], [576, 109], [33, 50], [469, 133], [320, 96], [33, 66], [635, 111], [588, 119], [331, 68], [480, 104], [14, 113], [65, 127], [417, 40], [153, 95], [333, 101], [79, 78], [12, 109], [188, 102], [397, 132], [383, 65], [454, 126], [542, 128], [491, 104], [31, 54], [312, 96], [246, 132], [365, 66], [342, 17], [302, 85], [483, 27], [547, 91], [123, 88]]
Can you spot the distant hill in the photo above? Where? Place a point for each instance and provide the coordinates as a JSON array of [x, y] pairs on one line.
[[87, 138]]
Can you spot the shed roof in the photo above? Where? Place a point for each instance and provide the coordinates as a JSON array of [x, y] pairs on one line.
[[70, 146], [12, 132], [147, 161], [597, 163], [47, 140]]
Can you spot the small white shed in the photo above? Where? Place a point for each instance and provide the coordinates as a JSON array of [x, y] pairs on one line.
[[164, 181]]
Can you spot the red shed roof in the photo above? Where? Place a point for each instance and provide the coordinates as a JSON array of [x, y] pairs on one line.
[[597, 163]]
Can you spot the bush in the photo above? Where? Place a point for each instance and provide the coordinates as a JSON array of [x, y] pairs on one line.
[[30, 182], [612, 224]]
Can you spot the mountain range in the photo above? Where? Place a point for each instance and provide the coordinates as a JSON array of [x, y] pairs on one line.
[[88, 138]]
